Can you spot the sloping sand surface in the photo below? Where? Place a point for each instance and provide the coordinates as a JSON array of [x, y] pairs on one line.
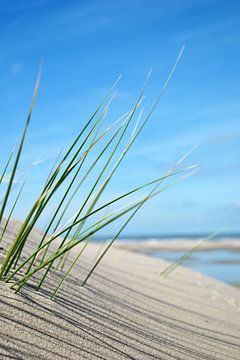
[[126, 311]]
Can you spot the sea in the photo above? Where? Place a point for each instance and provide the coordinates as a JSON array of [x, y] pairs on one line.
[[223, 265]]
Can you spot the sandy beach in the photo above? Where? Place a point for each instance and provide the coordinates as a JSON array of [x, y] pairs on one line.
[[179, 245], [120, 131], [126, 311]]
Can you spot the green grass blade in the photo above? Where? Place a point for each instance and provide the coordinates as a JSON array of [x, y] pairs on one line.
[[187, 254], [21, 145], [11, 212], [7, 164]]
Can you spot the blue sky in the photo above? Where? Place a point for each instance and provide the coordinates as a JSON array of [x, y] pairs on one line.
[[85, 45]]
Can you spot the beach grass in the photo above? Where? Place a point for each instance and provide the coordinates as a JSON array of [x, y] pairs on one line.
[[93, 156]]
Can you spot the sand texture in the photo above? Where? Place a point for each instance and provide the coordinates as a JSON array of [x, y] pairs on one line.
[[126, 311]]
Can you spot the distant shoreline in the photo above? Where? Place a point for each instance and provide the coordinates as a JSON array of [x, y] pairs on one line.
[[173, 236], [178, 245]]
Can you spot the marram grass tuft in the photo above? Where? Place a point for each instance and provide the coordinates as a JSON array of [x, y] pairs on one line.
[[92, 158]]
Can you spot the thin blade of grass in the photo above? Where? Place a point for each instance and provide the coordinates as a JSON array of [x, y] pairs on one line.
[[11, 211], [7, 164], [36, 88], [187, 254]]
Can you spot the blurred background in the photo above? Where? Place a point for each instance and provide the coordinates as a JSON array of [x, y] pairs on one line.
[[85, 45]]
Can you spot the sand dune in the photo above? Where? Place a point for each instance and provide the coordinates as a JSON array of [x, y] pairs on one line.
[[126, 311]]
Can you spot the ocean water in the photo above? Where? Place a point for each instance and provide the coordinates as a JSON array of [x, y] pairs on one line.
[[219, 264], [223, 265]]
